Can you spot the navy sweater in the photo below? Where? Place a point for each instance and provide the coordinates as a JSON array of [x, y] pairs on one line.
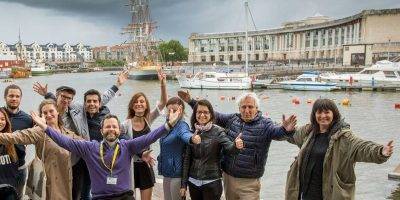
[[20, 121]]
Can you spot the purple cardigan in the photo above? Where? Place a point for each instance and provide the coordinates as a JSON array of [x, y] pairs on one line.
[[89, 151]]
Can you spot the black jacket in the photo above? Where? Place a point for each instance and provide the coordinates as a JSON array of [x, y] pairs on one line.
[[202, 161]]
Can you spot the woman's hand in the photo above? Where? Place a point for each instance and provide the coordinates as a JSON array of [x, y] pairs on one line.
[[40, 121], [290, 123], [162, 77], [196, 139], [184, 95], [174, 116], [388, 149], [122, 77], [182, 192], [146, 157], [239, 142]]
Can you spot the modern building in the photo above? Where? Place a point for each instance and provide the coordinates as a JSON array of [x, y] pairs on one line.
[[49, 52], [360, 39]]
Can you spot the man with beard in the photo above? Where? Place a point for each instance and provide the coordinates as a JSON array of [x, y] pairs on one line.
[[75, 118], [109, 161], [19, 121]]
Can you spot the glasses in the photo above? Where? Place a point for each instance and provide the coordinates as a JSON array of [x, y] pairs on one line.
[[66, 97], [202, 112]]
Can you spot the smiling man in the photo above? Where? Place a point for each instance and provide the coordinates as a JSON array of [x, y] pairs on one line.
[[109, 161], [242, 172]]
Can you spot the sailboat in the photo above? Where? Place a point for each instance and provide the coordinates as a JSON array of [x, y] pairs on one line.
[[221, 80], [143, 56]]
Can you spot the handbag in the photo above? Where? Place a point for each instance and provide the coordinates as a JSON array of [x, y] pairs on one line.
[[36, 183]]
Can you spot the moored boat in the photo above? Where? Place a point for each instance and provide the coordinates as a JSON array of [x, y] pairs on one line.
[[216, 80], [308, 82]]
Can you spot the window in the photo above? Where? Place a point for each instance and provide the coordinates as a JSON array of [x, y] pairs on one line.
[[203, 58], [221, 48], [257, 57], [212, 58], [239, 57], [389, 74], [369, 71], [221, 58], [308, 34], [230, 48], [239, 48]]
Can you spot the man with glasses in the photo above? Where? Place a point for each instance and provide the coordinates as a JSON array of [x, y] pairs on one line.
[[74, 116], [242, 172]]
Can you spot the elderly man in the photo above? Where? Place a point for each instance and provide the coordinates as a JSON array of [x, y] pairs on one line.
[[242, 172], [109, 161], [77, 118]]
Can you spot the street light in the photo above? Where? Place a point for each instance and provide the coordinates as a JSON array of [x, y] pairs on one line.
[[388, 50]]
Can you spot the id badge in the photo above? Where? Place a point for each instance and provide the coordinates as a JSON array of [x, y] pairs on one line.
[[111, 180]]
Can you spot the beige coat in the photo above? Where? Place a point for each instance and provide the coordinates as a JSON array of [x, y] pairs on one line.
[[57, 160], [338, 177]]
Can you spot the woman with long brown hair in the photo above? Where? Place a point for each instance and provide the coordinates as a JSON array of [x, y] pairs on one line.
[[324, 167], [138, 123], [8, 161], [57, 161]]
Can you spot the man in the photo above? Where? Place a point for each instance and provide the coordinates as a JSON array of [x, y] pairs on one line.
[[75, 118], [19, 121], [109, 161], [242, 172]]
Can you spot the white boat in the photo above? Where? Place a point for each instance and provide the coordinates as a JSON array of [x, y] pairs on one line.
[[383, 74], [308, 82], [216, 80], [5, 73], [38, 69]]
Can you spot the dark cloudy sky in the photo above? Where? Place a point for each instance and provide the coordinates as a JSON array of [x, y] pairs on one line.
[[99, 22]]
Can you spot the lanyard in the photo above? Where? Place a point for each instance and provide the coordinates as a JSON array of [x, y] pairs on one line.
[[113, 159]]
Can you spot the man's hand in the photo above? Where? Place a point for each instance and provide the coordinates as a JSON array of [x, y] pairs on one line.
[[40, 89], [290, 123], [122, 77], [239, 142], [184, 95], [146, 157]]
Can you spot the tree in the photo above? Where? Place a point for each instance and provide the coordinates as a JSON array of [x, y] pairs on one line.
[[173, 51]]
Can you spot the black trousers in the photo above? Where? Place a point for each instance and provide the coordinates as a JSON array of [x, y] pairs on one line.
[[80, 181], [123, 196], [210, 191]]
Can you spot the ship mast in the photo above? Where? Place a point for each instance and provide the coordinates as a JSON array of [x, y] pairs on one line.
[[142, 44], [246, 7]]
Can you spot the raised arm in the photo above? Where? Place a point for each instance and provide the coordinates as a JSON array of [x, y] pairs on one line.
[[110, 93], [138, 144], [26, 136], [285, 131]]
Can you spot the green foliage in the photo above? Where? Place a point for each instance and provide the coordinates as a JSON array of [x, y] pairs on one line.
[[109, 63], [173, 51]]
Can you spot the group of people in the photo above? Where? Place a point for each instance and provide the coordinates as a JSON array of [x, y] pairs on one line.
[[88, 153]]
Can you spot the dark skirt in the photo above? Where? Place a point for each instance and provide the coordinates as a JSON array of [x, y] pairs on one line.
[[144, 176]]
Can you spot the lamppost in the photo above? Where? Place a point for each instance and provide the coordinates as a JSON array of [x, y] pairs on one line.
[[388, 56]]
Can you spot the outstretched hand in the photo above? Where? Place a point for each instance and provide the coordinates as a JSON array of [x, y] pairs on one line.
[[40, 89], [388, 149], [173, 116], [184, 95], [146, 157], [239, 142], [40, 121], [122, 77], [290, 123]]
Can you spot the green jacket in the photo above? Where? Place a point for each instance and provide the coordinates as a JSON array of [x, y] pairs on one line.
[[344, 150]]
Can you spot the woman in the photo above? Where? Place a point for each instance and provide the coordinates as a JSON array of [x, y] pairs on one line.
[[324, 167], [9, 158], [172, 145], [202, 170], [57, 161], [138, 123]]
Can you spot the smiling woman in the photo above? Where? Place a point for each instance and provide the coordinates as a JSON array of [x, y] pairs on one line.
[[57, 164]]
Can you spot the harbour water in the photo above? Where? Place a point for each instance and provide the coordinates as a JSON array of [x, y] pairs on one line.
[[371, 114]]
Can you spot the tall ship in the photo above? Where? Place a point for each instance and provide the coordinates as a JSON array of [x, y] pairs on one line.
[[143, 57]]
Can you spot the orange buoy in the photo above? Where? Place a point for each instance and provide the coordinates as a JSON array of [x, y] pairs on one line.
[[346, 102], [309, 101], [296, 100], [222, 98], [397, 105]]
